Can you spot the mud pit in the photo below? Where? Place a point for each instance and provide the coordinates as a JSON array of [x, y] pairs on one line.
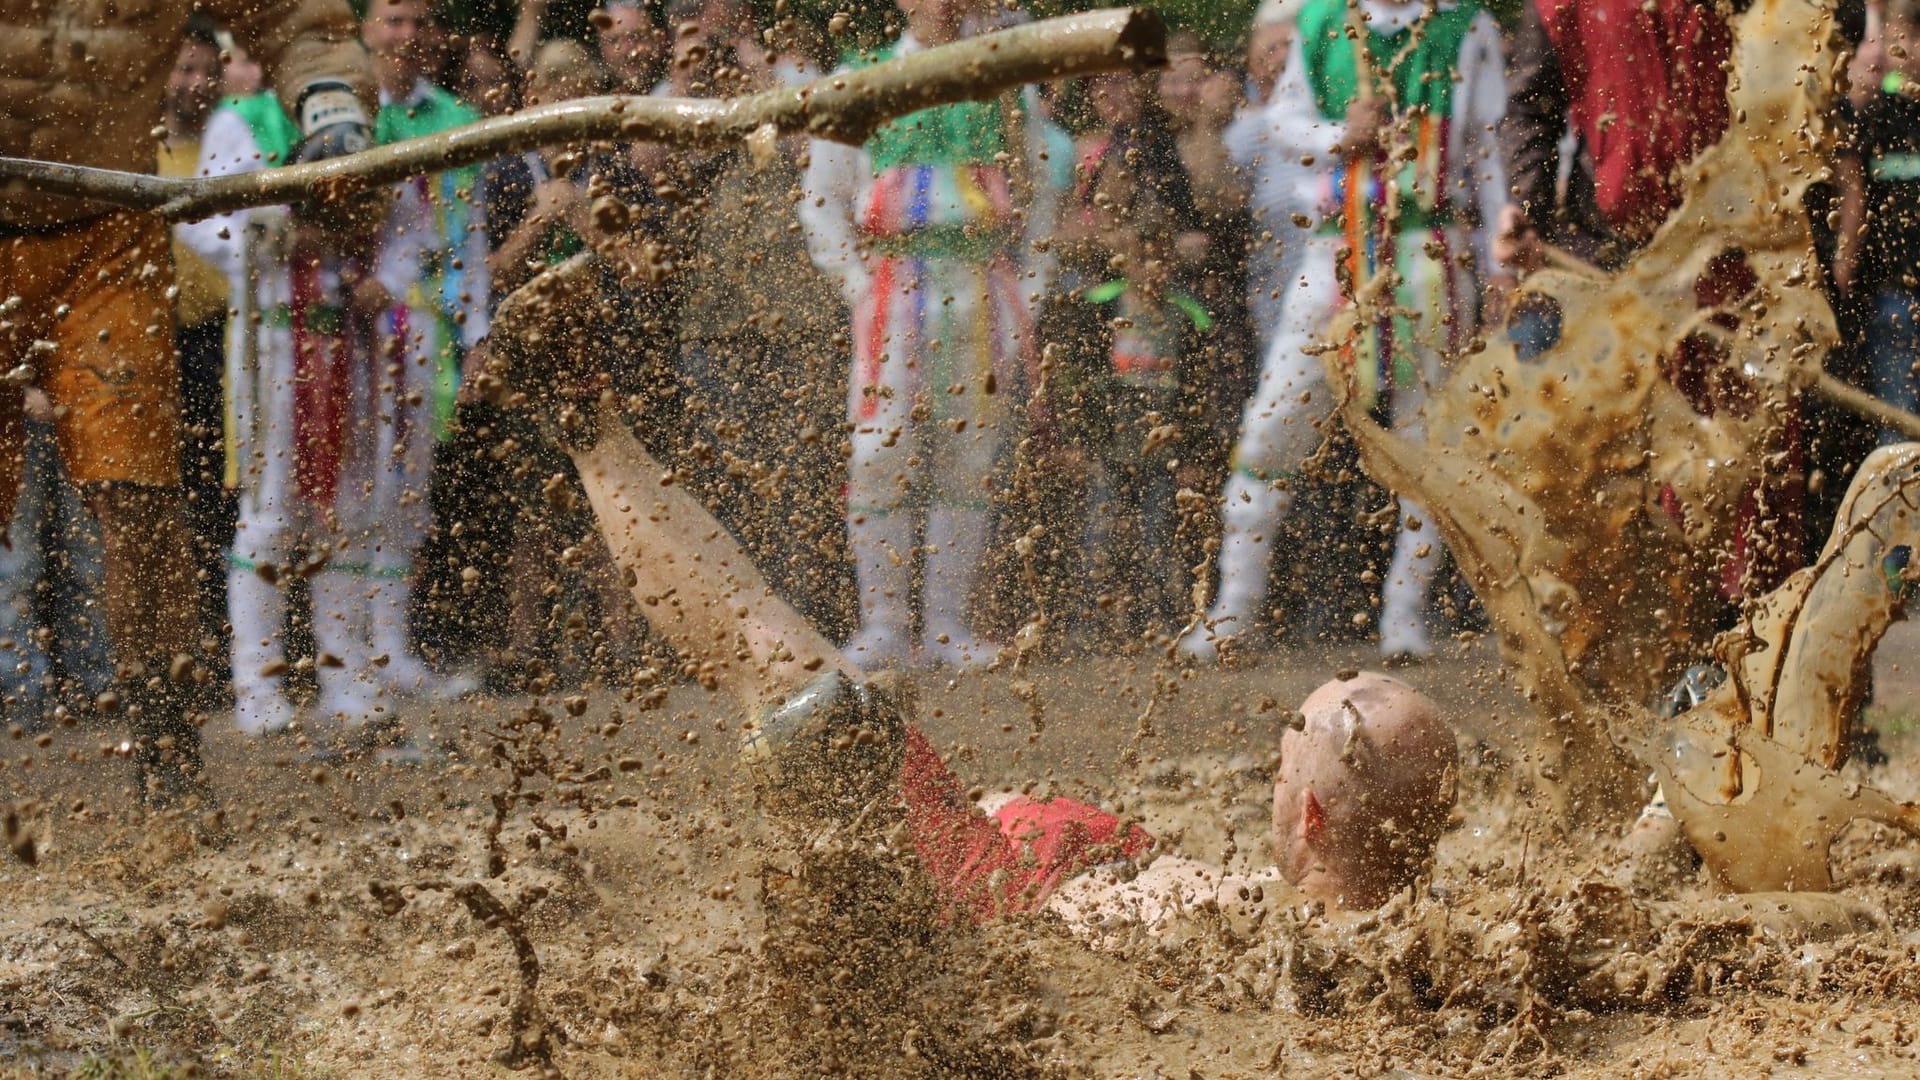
[[658, 957], [588, 890]]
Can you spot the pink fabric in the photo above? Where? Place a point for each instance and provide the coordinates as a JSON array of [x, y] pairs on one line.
[[1012, 861]]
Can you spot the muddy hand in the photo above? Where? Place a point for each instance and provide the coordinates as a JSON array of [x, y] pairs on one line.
[[1516, 245], [1367, 121]]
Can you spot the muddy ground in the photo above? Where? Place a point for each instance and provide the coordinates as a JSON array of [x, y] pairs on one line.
[[339, 933]]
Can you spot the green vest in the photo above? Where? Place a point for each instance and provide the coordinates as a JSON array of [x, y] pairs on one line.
[[435, 112], [964, 133], [1423, 80], [273, 131]]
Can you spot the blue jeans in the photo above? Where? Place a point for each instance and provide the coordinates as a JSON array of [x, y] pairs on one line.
[[49, 579], [1893, 348]]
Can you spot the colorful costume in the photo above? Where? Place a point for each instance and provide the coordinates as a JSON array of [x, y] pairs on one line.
[[433, 262], [1447, 77], [280, 364], [330, 425], [922, 229]]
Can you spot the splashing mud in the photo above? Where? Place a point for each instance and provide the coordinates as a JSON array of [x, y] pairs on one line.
[[583, 887], [679, 935], [1592, 498]]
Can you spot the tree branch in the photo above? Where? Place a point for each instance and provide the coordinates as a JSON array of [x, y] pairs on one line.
[[846, 108]]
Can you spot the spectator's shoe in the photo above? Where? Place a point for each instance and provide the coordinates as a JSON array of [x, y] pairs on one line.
[[387, 743], [957, 650], [406, 675], [165, 733], [260, 713], [381, 741], [398, 669], [829, 751], [348, 702], [1404, 642], [1203, 644]]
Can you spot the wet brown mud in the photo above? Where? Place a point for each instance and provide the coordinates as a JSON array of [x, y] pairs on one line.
[[677, 933]]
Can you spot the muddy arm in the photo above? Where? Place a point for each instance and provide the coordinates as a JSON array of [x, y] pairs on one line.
[[845, 107]]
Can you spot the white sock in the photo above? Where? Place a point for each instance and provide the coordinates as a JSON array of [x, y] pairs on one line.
[[1403, 601], [257, 611], [1252, 515], [340, 610], [387, 608]]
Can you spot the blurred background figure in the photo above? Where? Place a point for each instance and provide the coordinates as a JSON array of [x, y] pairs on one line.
[[1124, 378], [1201, 91], [1452, 90], [53, 635], [760, 380], [418, 305], [200, 328], [280, 356], [1279, 187], [537, 214], [1636, 89], [925, 229], [1879, 233], [633, 46], [488, 79], [241, 75]]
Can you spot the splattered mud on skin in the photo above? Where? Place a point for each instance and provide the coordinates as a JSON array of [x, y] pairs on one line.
[[663, 951]]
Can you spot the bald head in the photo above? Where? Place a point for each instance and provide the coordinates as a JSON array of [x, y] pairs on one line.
[[1364, 790]]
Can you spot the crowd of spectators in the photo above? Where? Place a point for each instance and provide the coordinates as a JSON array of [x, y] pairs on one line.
[[1033, 362]]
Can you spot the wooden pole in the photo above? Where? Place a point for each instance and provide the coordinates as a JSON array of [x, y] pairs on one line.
[[846, 107]]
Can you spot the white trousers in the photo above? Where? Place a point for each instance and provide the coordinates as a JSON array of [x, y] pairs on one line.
[[371, 529], [1281, 427], [934, 367]]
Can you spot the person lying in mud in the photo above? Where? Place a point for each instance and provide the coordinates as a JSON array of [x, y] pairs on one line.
[[1366, 785], [830, 750], [1365, 788]]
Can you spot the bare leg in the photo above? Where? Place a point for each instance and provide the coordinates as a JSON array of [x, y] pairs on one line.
[[617, 606], [709, 601], [695, 584]]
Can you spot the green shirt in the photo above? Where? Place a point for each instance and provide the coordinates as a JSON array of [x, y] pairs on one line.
[[274, 132], [964, 133], [1423, 79]]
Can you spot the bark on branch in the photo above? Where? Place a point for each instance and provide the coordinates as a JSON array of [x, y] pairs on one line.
[[846, 108]]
